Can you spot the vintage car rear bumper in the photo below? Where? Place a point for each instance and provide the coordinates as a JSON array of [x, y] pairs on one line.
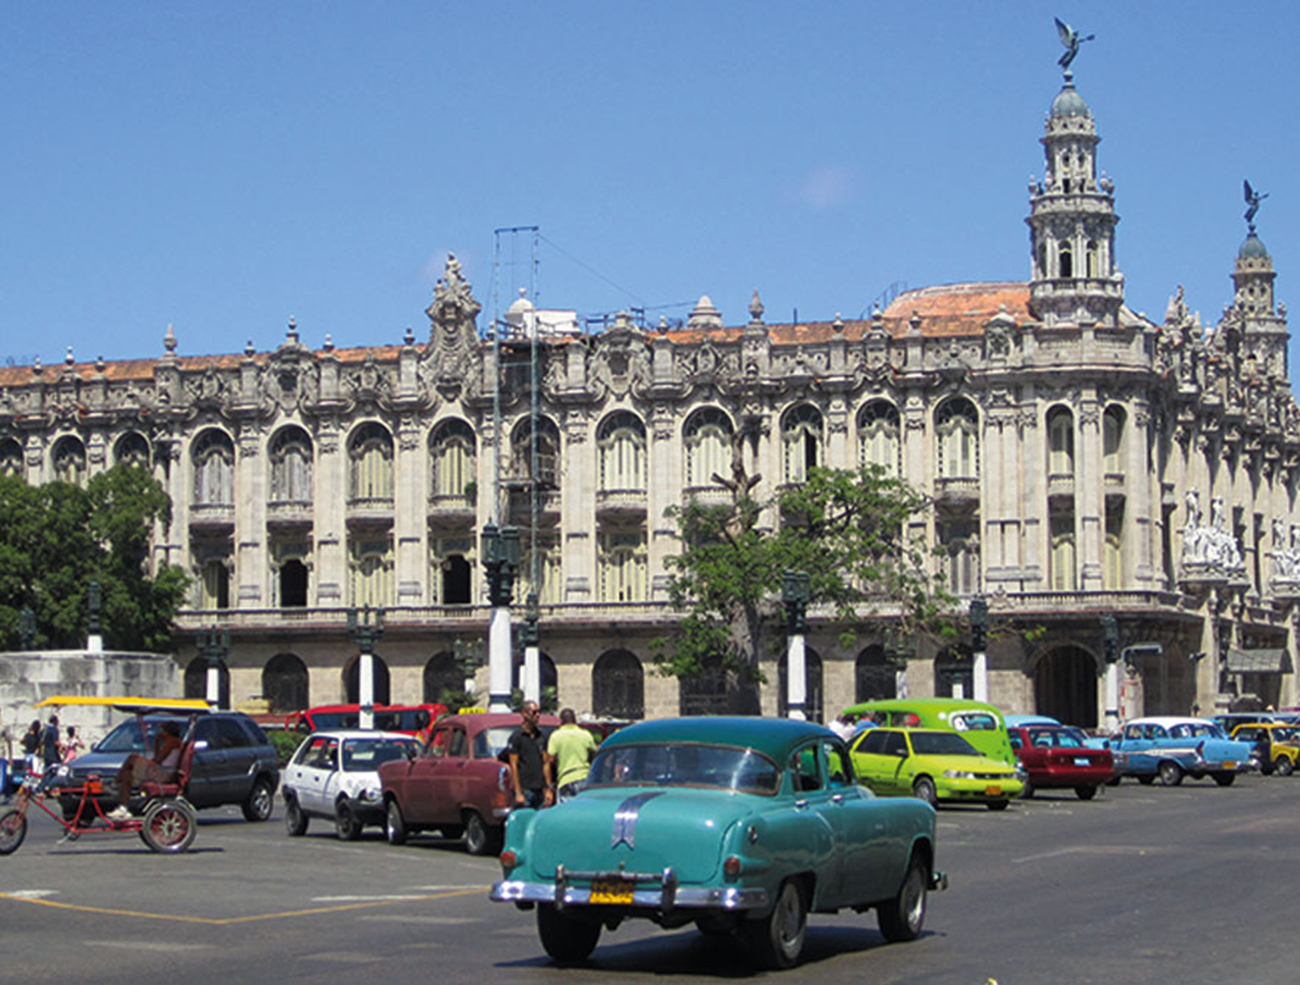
[[664, 893]]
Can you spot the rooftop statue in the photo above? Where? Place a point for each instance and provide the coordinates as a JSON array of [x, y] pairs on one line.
[[1253, 198], [1070, 38]]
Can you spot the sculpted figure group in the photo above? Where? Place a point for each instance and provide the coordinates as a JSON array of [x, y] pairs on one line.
[[1210, 544]]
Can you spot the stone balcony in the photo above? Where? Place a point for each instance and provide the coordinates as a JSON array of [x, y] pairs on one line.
[[548, 506], [451, 510], [212, 517], [957, 493], [370, 510], [708, 495], [289, 514], [620, 505]]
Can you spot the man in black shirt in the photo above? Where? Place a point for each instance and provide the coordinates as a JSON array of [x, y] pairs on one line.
[[530, 767]]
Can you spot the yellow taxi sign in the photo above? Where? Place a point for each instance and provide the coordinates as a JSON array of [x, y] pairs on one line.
[[471, 711]]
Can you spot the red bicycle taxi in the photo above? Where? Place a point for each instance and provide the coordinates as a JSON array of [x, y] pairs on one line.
[[166, 822]]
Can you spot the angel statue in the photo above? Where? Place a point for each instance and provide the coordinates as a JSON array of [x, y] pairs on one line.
[[1253, 198], [1070, 38]]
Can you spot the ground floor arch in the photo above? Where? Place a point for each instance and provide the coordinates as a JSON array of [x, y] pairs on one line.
[[1065, 686], [352, 681], [285, 683], [814, 693], [196, 681]]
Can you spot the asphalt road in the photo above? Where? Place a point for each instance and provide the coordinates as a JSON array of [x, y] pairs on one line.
[[1192, 884]]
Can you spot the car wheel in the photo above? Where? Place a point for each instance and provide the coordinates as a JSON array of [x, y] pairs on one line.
[[295, 821], [479, 838], [565, 938], [1283, 766], [1027, 791], [13, 829], [1085, 793], [1171, 774], [923, 789], [394, 824], [903, 916], [1225, 779], [169, 826], [997, 805], [1114, 781], [260, 802], [1146, 779], [346, 824], [777, 939]]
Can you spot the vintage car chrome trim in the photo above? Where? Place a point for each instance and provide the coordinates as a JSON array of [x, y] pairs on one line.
[[626, 816], [938, 881], [715, 897]]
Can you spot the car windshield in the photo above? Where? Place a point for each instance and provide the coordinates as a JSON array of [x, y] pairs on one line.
[[126, 737], [491, 742], [1046, 737], [941, 744], [685, 764], [1196, 730], [363, 755]]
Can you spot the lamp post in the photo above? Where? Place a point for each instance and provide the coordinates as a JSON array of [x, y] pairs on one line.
[[94, 629], [366, 634], [26, 628], [1110, 647], [795, 592], [532, 683], [501, 562], [979, 631], [213, 645]]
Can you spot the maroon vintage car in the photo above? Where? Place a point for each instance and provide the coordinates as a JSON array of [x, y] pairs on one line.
[[1055, 756], [456, 783]]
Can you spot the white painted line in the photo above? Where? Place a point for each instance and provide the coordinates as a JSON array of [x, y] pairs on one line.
[[161, 947], [33, 893]]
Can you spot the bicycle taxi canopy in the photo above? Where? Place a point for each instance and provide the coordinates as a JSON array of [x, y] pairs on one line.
[[139, 706]]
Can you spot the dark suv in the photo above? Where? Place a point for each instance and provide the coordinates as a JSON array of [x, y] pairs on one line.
[[234, 762]]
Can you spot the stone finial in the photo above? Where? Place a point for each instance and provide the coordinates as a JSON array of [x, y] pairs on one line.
[[409, 337], [169, 340], [329, 342], [705, 314], [914, 323], [249, 351], [291, 333], [838, 324], [68, 358], [623, 320], [100, 365], [663, 324], [37, 369], [756, 308]]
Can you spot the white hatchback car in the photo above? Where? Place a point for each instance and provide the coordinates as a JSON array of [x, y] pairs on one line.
[[334, 775]]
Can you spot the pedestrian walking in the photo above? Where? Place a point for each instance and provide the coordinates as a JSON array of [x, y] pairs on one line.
[[570, 749], [529, 765]]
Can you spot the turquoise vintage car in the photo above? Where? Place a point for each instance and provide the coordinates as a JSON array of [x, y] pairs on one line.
[[738, 825]]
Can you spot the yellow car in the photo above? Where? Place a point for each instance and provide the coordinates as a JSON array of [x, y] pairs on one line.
[[934, 765], [1276, 745]]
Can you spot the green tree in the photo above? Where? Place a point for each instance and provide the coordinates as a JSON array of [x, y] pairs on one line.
[[57, 538], [847, 529]]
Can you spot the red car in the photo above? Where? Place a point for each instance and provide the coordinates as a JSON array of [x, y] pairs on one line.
[[456, 783], [411, 719], [1055, 756]]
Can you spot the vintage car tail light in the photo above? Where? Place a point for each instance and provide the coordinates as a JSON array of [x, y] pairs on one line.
[[731, 867], [503, 778], [509, 859]]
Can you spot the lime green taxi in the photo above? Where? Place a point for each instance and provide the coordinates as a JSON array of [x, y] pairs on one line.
[[934, 765]]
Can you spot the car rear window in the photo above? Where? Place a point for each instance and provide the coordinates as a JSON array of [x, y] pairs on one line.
[[974, 721], [685, 764], [364, 755]]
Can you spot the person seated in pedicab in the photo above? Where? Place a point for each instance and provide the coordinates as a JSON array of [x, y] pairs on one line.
[[160, 768]]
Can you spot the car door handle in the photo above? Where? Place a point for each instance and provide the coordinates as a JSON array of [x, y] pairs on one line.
[[800, 804], [837, 798]]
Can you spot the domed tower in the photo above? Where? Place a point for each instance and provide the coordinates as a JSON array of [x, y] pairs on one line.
[[1072, 223], [1264, 332]]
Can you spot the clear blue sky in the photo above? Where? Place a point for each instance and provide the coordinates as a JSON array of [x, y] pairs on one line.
[[223, 166]]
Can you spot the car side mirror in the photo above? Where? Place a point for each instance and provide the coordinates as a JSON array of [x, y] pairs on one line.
[[900, 753], [200, 744]]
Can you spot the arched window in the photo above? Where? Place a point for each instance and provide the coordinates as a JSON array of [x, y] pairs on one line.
[[442, 679], [1112, 572], [814, 701], [1094, 259], [879, 437], [352, 681], [957, 429], [214, 469], [705, 693], [370, 457], [707, 439], [196, 681], [953, 676], [801, 437], [874, 677], [285, 684], [291, 458], [548, 679], [1061, 530], [370, 570], [959, 541], [621, 444], [214, 584], [11, 457], [618, 686], [70, 461], [548, 451], [452, 451], [624, 568], [1112, 439], [132, 449], [1067, 258], [1060, 442], [293, 584]]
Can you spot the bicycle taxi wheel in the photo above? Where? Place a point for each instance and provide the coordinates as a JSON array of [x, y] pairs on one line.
[[13, 829], [169, 826]]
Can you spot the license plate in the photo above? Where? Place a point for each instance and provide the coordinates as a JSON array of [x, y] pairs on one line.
[[1229, 764], [993, 790], [1082, 761], [611, 889]]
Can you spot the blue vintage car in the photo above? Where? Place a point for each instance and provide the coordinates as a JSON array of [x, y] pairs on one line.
[[1172, 746], [738, 825]]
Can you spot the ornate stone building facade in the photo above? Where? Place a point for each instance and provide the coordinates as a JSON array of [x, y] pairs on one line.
[[1084, 463]]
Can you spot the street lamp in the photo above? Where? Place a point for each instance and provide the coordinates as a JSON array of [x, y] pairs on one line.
[[213, 646], [94, 629], [1110, 648], [795, 592], [366, 634], [501, 562], [979, 632], [531, 638]]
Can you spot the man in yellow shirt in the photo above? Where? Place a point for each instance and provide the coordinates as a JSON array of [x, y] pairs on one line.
[[570, 749]]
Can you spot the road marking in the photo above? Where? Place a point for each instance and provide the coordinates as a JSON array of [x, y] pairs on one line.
[[228, 921], [410, 918], [158, 946], [34, 893], [1084, 850], [346, 957]]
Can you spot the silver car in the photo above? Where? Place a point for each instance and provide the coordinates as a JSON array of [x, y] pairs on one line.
[[334, 775]]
